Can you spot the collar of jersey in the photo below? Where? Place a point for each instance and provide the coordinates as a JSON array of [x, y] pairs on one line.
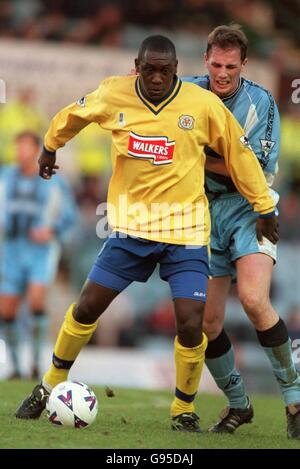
[[235, 92], [159, 105]]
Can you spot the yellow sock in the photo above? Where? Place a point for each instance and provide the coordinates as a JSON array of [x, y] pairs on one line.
[[189, 365], [71, 338]]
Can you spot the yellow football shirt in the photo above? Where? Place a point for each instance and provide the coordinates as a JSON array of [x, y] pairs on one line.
[[157, 187]]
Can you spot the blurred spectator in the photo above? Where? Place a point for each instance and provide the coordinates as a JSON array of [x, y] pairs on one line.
[[22, 13], [104, 26], [290, 141], [92, 152], [6, 16], [102, 21], [16, 116], [50, 24], [257, 14]]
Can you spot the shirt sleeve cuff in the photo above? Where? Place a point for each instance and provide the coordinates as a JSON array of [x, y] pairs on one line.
[[48, 152], [268, 215]]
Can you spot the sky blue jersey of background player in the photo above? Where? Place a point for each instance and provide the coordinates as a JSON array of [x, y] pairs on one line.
[[255, 109], [27, 203]]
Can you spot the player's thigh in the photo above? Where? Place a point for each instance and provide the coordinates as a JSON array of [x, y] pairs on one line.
[[214, 312], [93, 300], [122, 260], [11, 285], [254, 275], [246, 252], [9, 305], [36, 296], [221, 264], [126, 257]]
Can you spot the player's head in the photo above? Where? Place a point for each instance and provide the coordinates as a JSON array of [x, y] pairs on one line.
[[225, 57], [27, 149], [157, 66]]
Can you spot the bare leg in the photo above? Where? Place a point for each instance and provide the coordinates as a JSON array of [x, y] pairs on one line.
[[9, 305]]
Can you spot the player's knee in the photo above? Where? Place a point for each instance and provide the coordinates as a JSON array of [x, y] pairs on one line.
[[189, 325], [189, 333], [86, 311], [253, 303], [8, 313], [36, 305], [7, 316], [212, 326]]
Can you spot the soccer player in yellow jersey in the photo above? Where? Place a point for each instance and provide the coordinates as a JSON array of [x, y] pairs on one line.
[[156, 205]]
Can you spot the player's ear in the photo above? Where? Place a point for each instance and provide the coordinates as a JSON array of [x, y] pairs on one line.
[[176, 64], [137, 65], [244, 63], [205, 56]]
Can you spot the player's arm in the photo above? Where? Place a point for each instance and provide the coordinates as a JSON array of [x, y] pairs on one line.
[[228, 139], [216, 165], [65, 125], [264, 136], [265, 142]]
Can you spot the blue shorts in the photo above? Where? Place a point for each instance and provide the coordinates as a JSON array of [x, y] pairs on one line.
[[124, 260], [24, 263], [233, 234]]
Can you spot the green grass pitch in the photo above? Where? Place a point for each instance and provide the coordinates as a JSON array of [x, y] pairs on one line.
[[138, 419]]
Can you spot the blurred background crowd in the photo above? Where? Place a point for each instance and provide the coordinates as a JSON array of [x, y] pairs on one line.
[[122, 23], [98, 38]]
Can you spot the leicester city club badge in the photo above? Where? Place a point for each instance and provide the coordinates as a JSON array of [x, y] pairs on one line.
[[186, 122]]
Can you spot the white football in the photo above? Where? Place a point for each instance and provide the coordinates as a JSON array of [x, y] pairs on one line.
[[72, 404]]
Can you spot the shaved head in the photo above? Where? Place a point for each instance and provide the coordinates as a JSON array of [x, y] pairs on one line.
[[159, 44]]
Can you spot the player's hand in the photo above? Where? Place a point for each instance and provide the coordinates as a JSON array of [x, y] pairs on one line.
[[47, 165], [41, 235], [267, 227]]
